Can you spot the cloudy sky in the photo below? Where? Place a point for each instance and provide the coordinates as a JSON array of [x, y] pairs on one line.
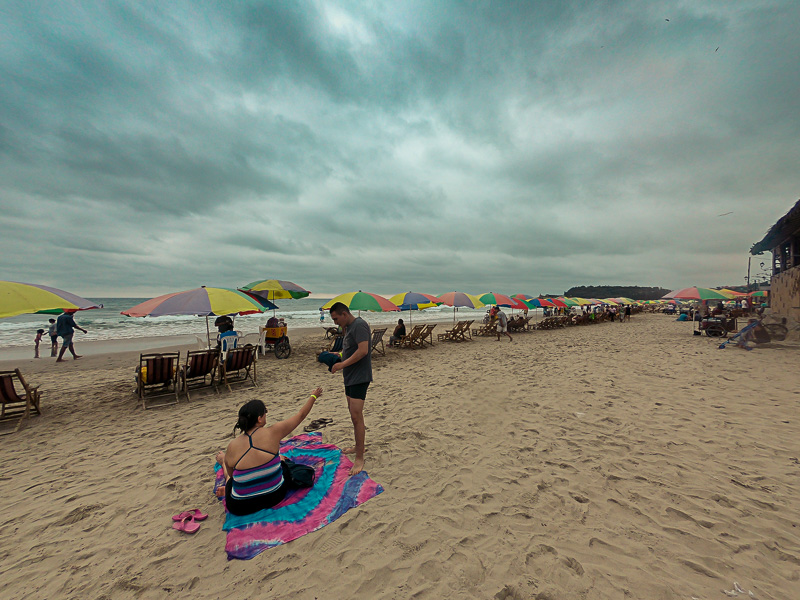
[[387, 146]]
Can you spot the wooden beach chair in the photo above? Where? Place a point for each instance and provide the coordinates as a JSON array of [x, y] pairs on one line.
[[200, 365], [412, 340], [239, 366], [453, 335], [156, 372], [377, 338], [466, 332], [427, 334], [17, 400]]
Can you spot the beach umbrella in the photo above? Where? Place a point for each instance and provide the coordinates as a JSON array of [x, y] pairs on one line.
[[733, 294], [558, 303], [695, 293], [460, 300], [414, 301], [501, 300], [362, 301], [568, 301], [534, 302], [202, 302], [759, 294], [275, 289], [17, 298]]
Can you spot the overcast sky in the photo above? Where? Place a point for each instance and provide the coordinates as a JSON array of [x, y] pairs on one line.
[[390, 146]]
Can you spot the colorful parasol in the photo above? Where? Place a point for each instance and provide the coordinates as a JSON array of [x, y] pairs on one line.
[[363, 301], [415, 301], [759, 294], [275, 289], [202, 301], [532, 301], [696, 293], [17, 298], [460, 300], [501, 300]]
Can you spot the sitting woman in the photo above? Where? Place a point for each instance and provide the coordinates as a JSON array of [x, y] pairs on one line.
[[398, 333], [255, 476]]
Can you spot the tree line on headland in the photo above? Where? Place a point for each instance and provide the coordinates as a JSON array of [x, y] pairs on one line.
[[634, 292]]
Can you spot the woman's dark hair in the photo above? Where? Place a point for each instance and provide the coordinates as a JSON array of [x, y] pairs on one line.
[[249, 414], [399, 321]]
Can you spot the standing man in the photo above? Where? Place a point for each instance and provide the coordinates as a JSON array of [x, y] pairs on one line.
[[65, 327], [627, 312], [356, 366], [502, 324]]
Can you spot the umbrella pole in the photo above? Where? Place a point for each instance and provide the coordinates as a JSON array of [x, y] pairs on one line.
[[208, 333]]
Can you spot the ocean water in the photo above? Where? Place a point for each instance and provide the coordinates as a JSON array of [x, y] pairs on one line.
[[108, 324]]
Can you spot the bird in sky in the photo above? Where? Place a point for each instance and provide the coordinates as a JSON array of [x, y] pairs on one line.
[[717, 49], [730, 212]]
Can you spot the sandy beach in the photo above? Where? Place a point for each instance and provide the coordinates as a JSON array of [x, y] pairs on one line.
[[607, 461]]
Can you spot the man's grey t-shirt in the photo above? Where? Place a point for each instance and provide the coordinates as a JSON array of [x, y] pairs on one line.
[[502, 317], [355, 333]]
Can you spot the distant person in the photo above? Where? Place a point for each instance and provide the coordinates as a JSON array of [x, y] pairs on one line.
[[398, 333], [321, 315], [36, 341], [65, 328], [51, 330], [227, 338], [356, 367], [502, 324], [627, 312]]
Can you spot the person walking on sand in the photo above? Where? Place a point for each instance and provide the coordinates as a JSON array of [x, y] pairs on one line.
[[51, 331], [356, 367], [65, 327], [502, 324]]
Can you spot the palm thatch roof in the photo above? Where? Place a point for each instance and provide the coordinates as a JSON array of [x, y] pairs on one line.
[[787, 226]]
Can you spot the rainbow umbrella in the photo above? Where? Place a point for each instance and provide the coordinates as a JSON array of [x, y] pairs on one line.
[[202, 301], [557, 302], [568, 301], [460, 300], [275, 289], [501, 300], [695, 293], [362, 301], [756, 294], [532, 301], [732, 293], [414, 301], [17, 298]]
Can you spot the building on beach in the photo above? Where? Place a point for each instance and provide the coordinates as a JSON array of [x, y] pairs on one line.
[[783, 240]]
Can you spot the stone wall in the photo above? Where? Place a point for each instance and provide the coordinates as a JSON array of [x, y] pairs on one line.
[[784, 294]]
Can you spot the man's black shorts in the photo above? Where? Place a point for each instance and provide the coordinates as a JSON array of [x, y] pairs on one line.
[[358, 391]]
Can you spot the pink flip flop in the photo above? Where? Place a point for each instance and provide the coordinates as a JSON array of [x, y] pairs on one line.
[[195, 512], [186, 525]]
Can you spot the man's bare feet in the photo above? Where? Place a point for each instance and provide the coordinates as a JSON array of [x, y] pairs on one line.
[[358, 466], [60, 360], [350, 450], [77, 356]]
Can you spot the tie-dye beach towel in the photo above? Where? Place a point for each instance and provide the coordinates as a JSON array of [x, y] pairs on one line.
[[304, 510]]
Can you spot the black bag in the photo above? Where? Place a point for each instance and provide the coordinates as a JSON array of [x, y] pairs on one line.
[[298, 476]]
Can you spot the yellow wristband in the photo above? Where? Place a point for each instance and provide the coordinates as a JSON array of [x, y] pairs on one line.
[[313, 396]]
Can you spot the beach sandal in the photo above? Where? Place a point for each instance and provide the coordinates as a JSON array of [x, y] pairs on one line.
[[195, 513], [317, 424], [186, 525]]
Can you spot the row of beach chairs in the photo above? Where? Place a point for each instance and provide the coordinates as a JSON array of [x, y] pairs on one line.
[[158, 372], [18, 401], [460, 332]]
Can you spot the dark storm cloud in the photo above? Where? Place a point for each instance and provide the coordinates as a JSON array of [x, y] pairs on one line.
[[414, 145]]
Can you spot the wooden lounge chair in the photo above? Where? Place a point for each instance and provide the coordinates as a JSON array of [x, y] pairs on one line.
[[453, 335], [427, 334], [239, 365], [377, 338], [155, 374], [200, 365], [412, 340], [485, 330], [17, 399]]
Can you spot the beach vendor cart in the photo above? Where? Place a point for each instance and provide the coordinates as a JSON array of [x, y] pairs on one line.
[[719, 326], [273, 337]]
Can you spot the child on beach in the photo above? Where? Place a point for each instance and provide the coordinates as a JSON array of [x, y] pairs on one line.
[[36, 340]]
